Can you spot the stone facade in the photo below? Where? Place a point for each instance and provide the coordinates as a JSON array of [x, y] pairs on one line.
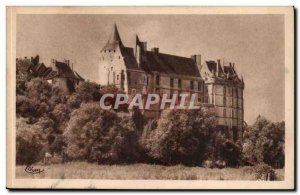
[[139, 70], [225, 92]]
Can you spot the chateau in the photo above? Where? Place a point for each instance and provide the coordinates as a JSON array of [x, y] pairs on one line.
[[140, 70]]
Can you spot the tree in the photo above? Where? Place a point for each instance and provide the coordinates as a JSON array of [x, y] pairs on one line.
[[22, 66], [227, 150], [85, 92], [61, 116], [264, 142], [100, 136], [181, 136], [31, 142]]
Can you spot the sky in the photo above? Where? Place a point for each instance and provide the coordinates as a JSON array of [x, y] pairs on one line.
[[255, 43]]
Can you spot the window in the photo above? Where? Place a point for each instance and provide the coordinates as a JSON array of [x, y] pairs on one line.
[[224, 90], [117, 77], [111, 68], [179, 83], [114, 77], [224, 112], [128, 77], [133, 91], [224, 100], [172, 82], [157, 80], [192, 85], [199, 98], [199, 86]]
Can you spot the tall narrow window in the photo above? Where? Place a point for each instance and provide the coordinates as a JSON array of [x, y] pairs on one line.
[[114, 77], [192, 85], [179, 83], [128, 78], [224, 112], [157, 80], [199, 86], [171, 82]]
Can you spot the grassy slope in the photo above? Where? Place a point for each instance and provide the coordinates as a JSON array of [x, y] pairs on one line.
[[83, 170]]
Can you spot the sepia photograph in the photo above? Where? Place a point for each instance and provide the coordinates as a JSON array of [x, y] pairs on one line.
[[150, 97]]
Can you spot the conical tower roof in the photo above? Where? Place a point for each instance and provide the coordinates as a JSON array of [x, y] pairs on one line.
[[114, 40]]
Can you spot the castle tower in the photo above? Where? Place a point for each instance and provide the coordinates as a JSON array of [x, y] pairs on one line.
[[225, 92], [112, 64], [114, 40]]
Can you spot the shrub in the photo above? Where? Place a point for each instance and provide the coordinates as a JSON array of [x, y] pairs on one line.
[[264, 172]]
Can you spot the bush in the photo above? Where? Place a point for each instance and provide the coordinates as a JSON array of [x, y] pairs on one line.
[[264, 172]]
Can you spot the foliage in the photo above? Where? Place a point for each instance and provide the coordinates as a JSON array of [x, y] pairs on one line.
[[264, 142], [227, 151], [31, 141], [22, 66], [181, 136], [61, 115], [265, 172], [100, 136]]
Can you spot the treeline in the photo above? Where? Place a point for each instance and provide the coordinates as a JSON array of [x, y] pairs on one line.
[[75, 128]]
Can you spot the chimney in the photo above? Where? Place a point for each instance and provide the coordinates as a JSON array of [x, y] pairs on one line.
[[219, 64], [197, 60], [155, 50], [144, 46]]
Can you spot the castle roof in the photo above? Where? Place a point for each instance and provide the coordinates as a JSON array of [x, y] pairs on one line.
[[63, 70], [114, 40], [170, 64], [226, 72], [128, 55], [152, 61]]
